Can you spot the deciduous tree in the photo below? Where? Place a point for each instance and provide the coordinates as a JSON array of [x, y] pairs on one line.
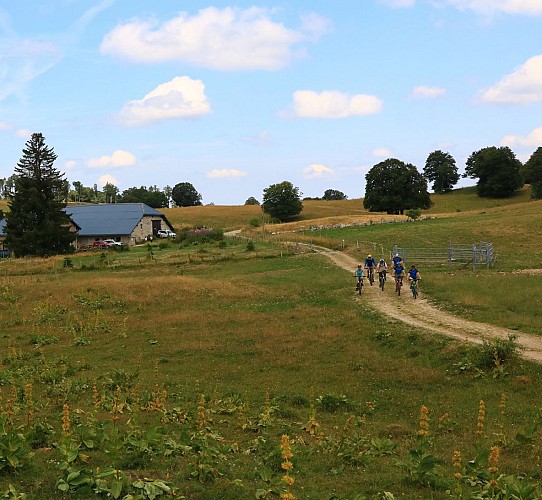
[[393, 186], [36, 223], [282, 201], [334, 194], [150, 196], [184, 194], [532, 173], [440, 168], [252, 201], [497, 171]]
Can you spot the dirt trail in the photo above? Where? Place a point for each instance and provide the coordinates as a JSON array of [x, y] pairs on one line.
[[422, 314]]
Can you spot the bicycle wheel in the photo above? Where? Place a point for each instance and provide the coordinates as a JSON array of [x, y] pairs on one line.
[[382, 281], [398, 287], [371, 277], [360, 286], [414, 289]]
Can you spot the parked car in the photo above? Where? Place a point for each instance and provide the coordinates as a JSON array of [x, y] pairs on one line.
[[166, 233], [99, 244], [111, 243]]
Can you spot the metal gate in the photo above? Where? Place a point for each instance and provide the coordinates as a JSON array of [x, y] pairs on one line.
[[479, 254]]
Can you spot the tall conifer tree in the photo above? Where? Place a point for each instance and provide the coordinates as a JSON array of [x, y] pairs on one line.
[[36, 223]]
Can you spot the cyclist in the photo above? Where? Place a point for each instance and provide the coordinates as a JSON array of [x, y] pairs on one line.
[[359, 276], [414, 274], [370, 264], [382, 267], [399, 271], [396, 259]]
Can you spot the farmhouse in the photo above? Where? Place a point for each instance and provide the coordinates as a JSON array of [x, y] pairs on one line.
[[129, 223]]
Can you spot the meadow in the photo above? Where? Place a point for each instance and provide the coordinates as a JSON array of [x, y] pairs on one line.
[[217, 371]]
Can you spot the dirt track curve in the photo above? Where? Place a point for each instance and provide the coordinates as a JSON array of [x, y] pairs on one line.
[[426, 316]]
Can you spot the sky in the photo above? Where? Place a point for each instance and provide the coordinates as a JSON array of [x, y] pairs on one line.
[[236, 96]]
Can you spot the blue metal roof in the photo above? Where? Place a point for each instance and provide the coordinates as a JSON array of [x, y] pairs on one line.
[[112, 219]]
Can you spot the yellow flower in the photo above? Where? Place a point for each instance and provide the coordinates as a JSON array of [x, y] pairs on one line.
[[289, 480], [287, 496], [424, 421], [287, 465], [66, 418], [493, 460], [481, 419]]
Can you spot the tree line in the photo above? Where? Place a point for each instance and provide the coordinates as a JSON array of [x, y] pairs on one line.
[[37, 193]]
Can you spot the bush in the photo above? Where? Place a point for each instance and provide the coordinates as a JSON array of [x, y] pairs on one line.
[[536, 190], [250, 246], [413, 213], [497, 351]]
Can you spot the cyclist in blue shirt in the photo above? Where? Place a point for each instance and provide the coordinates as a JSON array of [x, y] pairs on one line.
[[370, 264], [414, 274], [370, 261], [396, 259]]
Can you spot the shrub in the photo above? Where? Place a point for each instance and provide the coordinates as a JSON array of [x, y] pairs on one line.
[[413, 213], [250, 246]]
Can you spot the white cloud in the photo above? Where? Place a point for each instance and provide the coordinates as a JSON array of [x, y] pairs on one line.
[[534, 139], [225, 172], [333, 104], [522, 86], [104, 179], [118, 159], [382, 153], [181, 97], [225, 39], [316, 171], [489, 7], [425, 92], [5, 126]]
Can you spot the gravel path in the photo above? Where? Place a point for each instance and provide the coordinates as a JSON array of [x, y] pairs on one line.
[[422, 314]]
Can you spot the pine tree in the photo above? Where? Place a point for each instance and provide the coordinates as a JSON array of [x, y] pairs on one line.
[[36, 223]]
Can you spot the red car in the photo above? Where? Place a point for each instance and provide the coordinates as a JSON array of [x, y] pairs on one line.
[[100, 244]]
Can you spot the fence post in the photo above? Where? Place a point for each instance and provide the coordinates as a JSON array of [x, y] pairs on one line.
[[474, 257]]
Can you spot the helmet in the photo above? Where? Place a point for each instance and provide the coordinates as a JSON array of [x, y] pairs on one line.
[[359, 265], [412, 266], [397, 255], [369, 255], [382, 260]]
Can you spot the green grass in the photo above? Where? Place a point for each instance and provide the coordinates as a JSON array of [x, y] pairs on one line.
[[233, 330], [234, 325]]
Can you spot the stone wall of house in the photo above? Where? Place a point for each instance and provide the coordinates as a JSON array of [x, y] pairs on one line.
[[144, 228]]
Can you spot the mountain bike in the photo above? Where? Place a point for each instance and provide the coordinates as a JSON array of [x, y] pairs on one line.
[[398, 284], [359, 284], [370, 275], [414, 288], [381, 279]]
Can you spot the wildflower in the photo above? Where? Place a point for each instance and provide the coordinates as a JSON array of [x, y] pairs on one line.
[[66, 425], [424, 421], [481, 419], [313, 427], [493, 460], [29, 403], [456, 462], [289, 480], [287, 496], [287, 465]]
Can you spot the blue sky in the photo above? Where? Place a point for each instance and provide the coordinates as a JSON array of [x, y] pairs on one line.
[[236, 96]]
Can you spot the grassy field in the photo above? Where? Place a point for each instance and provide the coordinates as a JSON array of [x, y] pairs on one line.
[[177, 370]]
